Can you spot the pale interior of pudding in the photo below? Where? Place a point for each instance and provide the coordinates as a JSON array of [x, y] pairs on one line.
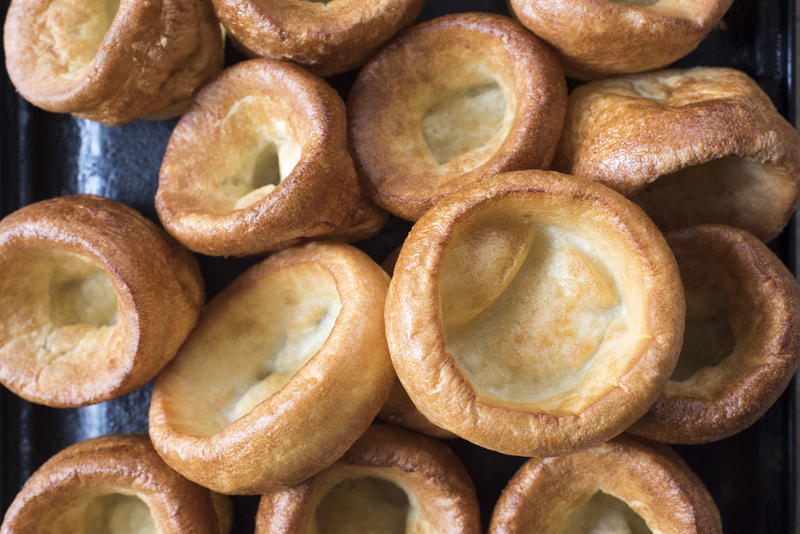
[[733, 191], [252, 346], [533, 314], [707, 339], [464, 121], [113, 513], [74, 32], [59, 306], [605, 514], [255, 152], [365, 504]]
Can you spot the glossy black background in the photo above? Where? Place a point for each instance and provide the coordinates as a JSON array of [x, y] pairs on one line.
[[752, 476]]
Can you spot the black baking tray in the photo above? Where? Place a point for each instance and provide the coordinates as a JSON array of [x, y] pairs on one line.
[[752, 476]]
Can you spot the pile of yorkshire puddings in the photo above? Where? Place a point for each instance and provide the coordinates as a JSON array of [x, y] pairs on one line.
[[538, 313]]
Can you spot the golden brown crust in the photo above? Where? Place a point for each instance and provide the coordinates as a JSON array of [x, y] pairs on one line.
[[760, 298], [654, 482], [153, 57], [600, 37], [318, 197], [397, 88], [158, 287], [630, 132], [325, 37], [336, 393], [121, 464], [427, 470], [439, 386]]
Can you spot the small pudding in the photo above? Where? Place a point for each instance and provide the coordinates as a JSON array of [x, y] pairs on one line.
[[94, 300], [622, 486], [596, 38], [696, 146], [114, 484], [534, 314], [390, 482], [291, 358], [260, 162], [450, 102], [325, 36], [742, 342], [111, 61]]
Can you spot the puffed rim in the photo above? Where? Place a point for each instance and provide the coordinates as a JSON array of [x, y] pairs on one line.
[[157, 282], [125, 464], [654, 482], [717, 402], [427, 470], [628, 132], [319, 197], [152, 59], [441, 390], [386, 106], [318, 414], [595, 38], [325, 37]]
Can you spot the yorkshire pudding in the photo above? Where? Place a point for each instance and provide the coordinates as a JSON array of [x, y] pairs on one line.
[[94, 300], [600, 37], [114, 484], [622, 486], [450, 102], [742, 340], [702, 145], [325, 36], [534, 314], [390, 481], [111, 61], [286, 369], [260, 162]]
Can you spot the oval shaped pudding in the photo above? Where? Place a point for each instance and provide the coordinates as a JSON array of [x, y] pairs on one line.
[[94, 300], [594, 38], [390, 481], [696, 146], [451, 102], [114, 484], [260, 162], [324, 36], [534, 314], [622, 486], [742, 342], [291, 358], [111, 61]]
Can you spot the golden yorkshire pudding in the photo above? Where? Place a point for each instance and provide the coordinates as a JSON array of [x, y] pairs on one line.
[[594, 38], [534, 314], [702, 145], [622, 486], [325, 36], [390, 482], [450, 102], [260, 162], [114, 484], [286, 369], [94, 300], [111, 61], [742, 339]]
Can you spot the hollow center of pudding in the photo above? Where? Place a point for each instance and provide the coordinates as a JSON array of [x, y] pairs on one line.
[[463, 121], [81, 293], [605, 514], [730, 190], [257, 152], [365, 504], [74, 32], [113, 513], [636, 2], [526, 309]]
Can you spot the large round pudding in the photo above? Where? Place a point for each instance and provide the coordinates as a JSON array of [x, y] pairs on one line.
[[534, 314]]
